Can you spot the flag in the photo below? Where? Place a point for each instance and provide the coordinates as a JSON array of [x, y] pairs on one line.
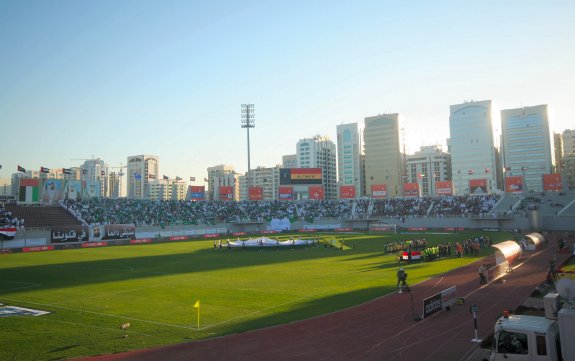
[[524, 169], [470, 171], [84, 171], [206, 180], [507, 169], [192, 179], [487, 170], [66, 171], [403, 177], [44, 170], [178, 178], [151, 176], [197, 305], [166, 177], [103, 173], [420, 175], [21, 169], [387, 177]]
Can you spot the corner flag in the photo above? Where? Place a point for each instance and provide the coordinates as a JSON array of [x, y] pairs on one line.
[[197, 305]]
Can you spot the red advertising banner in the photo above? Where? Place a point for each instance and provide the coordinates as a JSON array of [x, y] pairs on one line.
[[316, 192], [411, 189], [211, 235], [552, 182], [94, 244], [197, 193], [141, 240], [286, 194], [478, 186], [444, 188], [38, 249], [346, 192], [256, 193], [226, 193], [514, 184], [179, 238], [378, 190]]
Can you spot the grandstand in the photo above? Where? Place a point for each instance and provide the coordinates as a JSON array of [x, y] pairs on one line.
[[151, 218], [42, 216]]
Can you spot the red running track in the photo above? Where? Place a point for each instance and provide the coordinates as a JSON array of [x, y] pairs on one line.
[[383, 329]]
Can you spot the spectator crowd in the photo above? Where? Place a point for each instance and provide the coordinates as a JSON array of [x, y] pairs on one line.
[[7, 220], [154, 213]]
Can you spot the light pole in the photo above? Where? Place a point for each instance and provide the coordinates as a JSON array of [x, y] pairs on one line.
[[248, 121]]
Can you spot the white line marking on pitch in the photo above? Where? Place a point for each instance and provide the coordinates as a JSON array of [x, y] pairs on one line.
[[114, 330], [97, 313]]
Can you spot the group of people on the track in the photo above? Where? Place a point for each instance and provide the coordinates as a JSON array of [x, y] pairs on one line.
[[471, 246]]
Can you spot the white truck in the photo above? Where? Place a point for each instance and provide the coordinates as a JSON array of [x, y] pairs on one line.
[[536, 338]]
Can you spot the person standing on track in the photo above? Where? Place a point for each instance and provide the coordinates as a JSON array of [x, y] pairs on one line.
[[482, 274]]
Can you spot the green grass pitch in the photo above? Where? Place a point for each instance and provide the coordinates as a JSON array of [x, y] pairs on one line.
[[92, 292]]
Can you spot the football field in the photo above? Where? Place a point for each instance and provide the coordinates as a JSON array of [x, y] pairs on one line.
[[90, 293]]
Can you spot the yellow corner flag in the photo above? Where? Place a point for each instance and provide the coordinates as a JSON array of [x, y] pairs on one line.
[[197, 305]]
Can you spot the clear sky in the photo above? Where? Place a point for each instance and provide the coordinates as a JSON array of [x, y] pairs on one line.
[[112, 79]]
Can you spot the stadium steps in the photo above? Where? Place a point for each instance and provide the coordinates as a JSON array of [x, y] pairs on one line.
[[43, 216]]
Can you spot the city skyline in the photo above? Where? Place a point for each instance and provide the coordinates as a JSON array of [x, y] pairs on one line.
[[109, 80]]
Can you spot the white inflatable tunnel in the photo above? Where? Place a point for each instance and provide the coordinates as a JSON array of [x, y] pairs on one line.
[[507, 251], [534, 241]]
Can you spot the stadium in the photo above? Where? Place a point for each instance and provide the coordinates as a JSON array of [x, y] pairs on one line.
[[230, 280]]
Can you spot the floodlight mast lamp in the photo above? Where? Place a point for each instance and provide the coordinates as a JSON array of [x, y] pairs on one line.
[[248, 121]]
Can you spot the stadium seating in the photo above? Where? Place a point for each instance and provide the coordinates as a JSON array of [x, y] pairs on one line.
[[42, 216]]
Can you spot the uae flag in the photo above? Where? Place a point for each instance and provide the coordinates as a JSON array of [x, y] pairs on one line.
[[29, 190], [44, 170], [470, 171], [66, 170], [21, 169]]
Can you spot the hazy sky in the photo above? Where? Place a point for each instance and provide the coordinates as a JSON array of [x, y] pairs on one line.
[[111, 79]]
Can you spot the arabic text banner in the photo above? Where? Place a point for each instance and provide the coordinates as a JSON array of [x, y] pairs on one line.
[[65, 234], [119, 231]]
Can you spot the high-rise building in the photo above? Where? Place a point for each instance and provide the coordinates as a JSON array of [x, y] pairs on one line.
[[427, 167], [319, 152], [222, 176], [527, 148], [167, 189], [114, 180], [266, 178], [568, 171], [96, 170], [382, 153], [289, 161], [568, 138], [558, 150], [349, 156], [471, 145], [141, 170]]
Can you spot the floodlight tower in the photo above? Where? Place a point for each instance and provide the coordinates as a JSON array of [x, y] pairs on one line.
[[248, 121]]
